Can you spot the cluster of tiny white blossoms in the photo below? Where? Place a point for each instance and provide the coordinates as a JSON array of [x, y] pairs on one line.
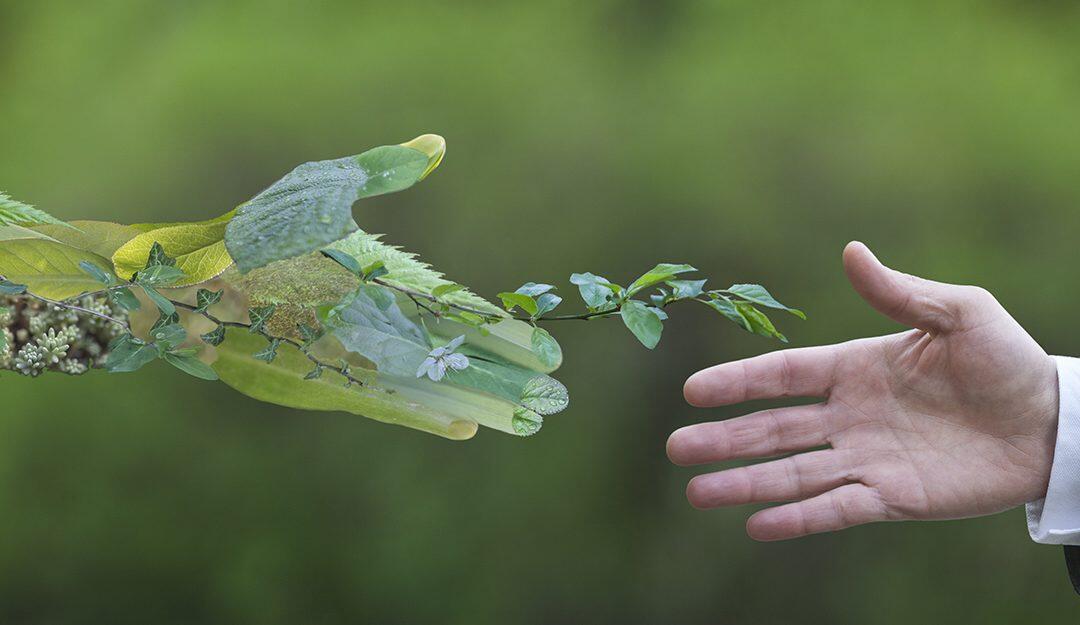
[[39, 337]]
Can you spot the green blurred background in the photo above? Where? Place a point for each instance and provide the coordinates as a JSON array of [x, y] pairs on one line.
[[749, 139]]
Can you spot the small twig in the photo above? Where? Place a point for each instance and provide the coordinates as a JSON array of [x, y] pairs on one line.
[[238, 324], [417, 295], [78, 309]]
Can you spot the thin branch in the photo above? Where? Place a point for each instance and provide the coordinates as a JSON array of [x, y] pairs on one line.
[[79, 309], [238, 324]]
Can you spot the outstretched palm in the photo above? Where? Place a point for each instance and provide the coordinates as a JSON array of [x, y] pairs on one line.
[[955, 418]]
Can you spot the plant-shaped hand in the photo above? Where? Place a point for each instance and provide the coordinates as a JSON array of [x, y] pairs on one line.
[[955, 418]]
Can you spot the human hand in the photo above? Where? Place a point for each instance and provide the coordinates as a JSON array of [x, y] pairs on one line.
[[955, 418]]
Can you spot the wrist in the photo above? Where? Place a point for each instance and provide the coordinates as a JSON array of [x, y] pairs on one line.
[[1044, 415]]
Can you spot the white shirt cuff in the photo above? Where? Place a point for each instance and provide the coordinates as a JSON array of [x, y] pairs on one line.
[[1055, 519]]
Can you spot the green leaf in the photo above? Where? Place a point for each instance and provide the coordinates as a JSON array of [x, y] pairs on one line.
[[169, 336], [197, 249], [660, 273], [533, 289], [96, 272], [191, 366], [519, 300], [597, 291], [15, 213], [10, 288], [643, 322], [545, 395], [315, 373], [547, 303], [159, 275], [259, 315], [759, 322], [546, 347], [127, 353], [726, 307], [345, 260], [376, 269], [406, 272], [309, 334], [526, 422], [370, 323], [215, 336], [99, 237], [439, 409], [446, 289], [204, 299], [49, 269], [757, 294], [312, 205], [685, 289], [268, 353], [156, 256], [163, 304], [124, 298]]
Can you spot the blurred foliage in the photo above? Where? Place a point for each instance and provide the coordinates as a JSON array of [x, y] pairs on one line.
[[750, 139]]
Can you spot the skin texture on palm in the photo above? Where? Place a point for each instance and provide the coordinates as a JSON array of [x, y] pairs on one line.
[[954, 418]]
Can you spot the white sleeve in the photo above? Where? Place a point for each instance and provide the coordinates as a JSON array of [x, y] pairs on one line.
[[1055, 519]]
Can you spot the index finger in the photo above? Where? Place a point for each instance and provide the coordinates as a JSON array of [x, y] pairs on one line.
[[800, 372]]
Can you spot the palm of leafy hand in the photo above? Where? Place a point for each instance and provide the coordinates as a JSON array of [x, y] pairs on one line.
[[952, 419]]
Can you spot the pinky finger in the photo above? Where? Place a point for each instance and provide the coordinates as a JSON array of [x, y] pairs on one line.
[[837, 509]]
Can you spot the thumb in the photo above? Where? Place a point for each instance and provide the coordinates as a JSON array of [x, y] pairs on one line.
[[910, 300]]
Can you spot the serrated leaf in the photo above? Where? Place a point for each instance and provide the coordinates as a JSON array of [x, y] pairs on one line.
[[545, 395], [526, 422], [312, 205], [49, 269], [446, 289], [406, 271], [259, 315], [546, 347], [197, 249], [16, 213], [757, 294], [660, 273], [642, 322], [376, 269], [214, 337], [191, 365], [205, 298], [268, 353]]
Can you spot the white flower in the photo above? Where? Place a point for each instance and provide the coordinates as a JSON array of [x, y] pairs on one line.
[[442, 358]]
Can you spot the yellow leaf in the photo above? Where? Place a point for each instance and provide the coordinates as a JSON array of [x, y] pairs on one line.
[[432, 145], [199, 250], [100, 237], [48, 268]]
